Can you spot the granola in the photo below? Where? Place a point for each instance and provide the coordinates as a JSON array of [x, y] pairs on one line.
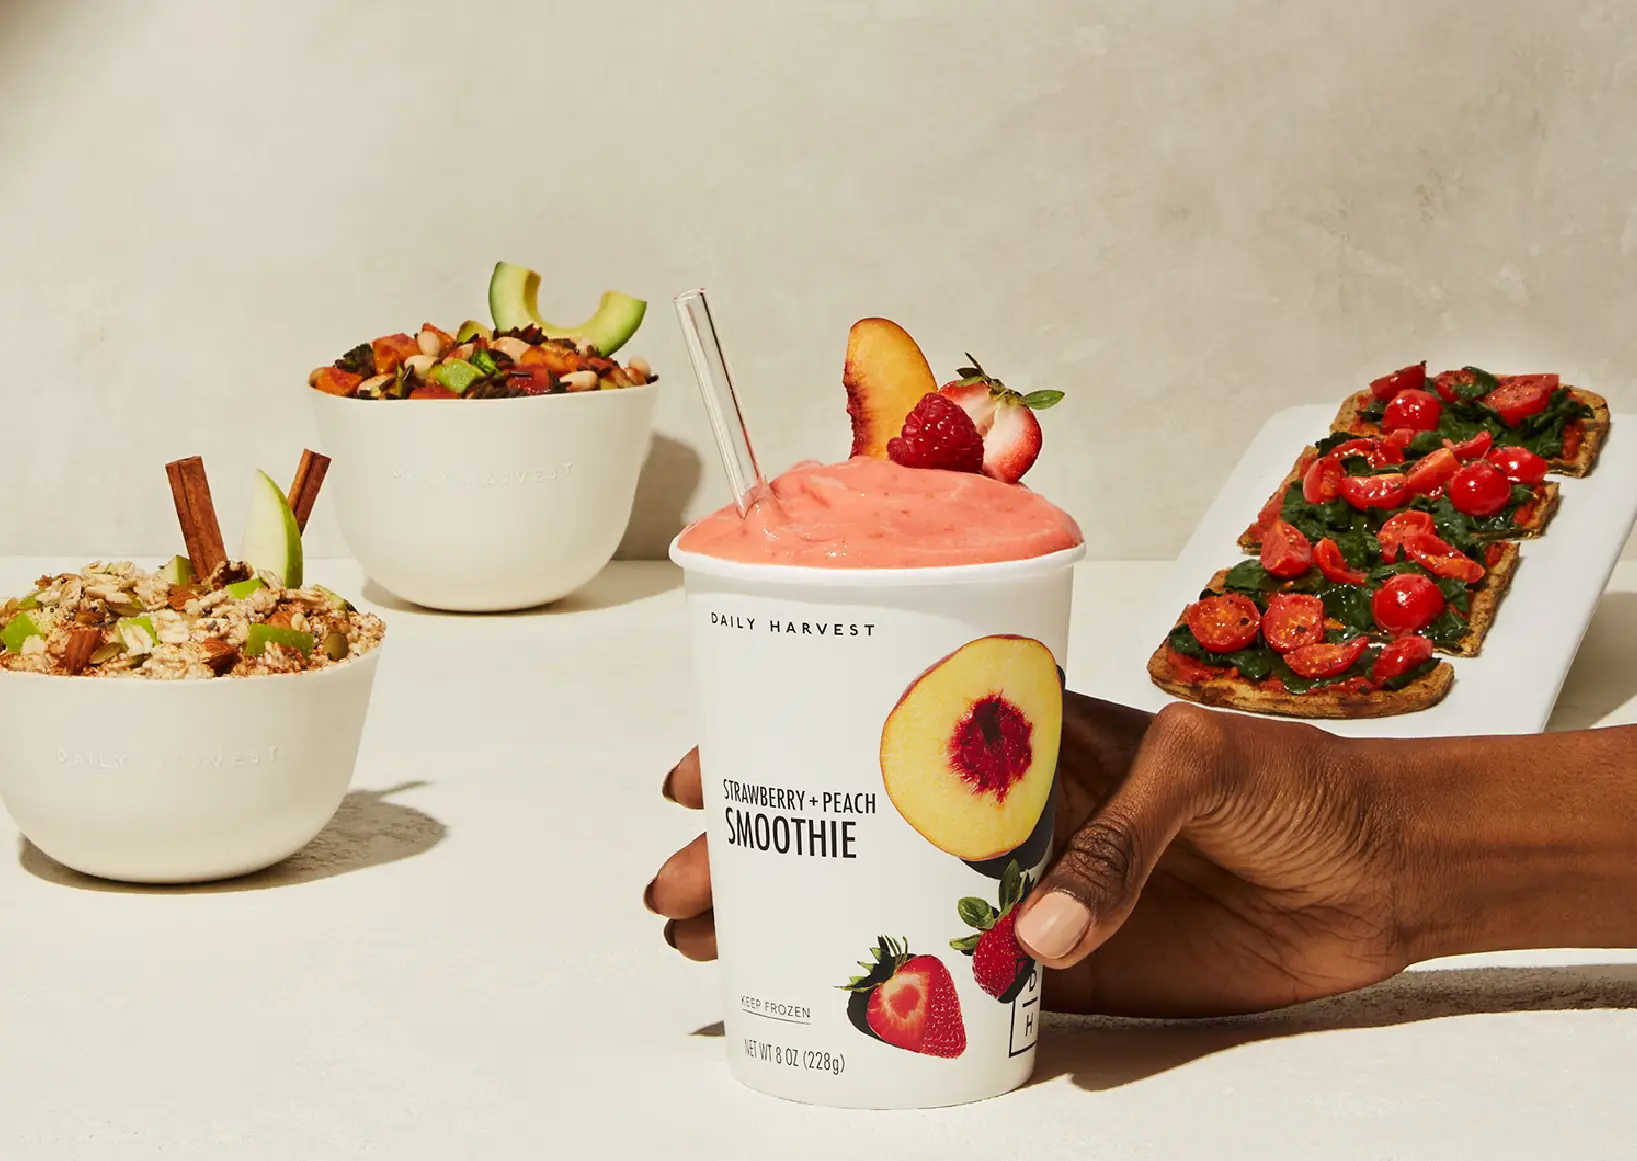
[[116, 620]]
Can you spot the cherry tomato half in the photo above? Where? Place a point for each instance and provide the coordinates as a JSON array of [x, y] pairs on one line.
[[1388, 491], [1223, 624], [1446, 381], [1406, 379], [1407, 603], [1399, 438], [1285, 551], [1520, 396], [1327, 555], [1292, 621], [1401, 656], [1326, 660], [1518, 464], [1471, 449], [1432, 472], [1321, 483], [1400, 525], [1479, 489], [1416, 410], [1437, 557]]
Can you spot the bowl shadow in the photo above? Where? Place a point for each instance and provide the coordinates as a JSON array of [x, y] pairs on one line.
[[670, 477], [609, 589], [1099, 1053], [367, 830]]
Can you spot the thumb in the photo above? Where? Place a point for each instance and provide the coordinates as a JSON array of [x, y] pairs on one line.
[[1093, 887]]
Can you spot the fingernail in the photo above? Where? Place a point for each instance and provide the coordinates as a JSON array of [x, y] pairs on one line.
[[665, 788], [648, 896], [1055, 925], [670, 934]]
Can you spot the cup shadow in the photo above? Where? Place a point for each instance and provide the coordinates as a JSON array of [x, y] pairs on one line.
[[608, 589], [1602, 678], [1099, 1053], [368, 830]]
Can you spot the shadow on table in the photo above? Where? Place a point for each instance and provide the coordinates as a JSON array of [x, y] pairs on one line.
[[608, 590], [1100, 1053], [367, 831], [1604, 674]]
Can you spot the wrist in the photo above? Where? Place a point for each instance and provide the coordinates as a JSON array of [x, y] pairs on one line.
[[1509, 843]]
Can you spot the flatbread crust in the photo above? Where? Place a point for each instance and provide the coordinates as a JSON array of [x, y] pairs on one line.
[[1594, 431], [1237, 693]]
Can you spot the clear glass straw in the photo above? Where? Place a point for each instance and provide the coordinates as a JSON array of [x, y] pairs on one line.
[[721, 404]]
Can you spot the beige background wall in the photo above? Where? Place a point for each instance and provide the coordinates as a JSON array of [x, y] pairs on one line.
[[1185, 215]]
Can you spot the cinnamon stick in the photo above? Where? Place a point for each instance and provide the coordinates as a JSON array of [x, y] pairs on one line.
[[309, 479], [81, 644], [201, 532]]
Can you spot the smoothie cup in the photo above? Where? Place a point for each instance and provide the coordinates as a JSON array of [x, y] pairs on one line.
[[879, 753]]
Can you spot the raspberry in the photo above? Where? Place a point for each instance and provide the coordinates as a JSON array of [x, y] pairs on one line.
[[938, 434]]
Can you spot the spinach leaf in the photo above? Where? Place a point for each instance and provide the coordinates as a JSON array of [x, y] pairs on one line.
[[1408, 676], [1248, 576], [1254, 663]]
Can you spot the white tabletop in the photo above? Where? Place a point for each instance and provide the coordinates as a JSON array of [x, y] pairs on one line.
[[460, 967]]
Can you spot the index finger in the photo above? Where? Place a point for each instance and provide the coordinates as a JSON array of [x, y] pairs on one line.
[[682, 784]]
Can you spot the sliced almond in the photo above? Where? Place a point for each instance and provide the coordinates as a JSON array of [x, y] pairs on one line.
[[82, 645], [219, 655]]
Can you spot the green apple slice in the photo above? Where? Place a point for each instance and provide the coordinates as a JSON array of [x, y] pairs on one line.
[[514, 300], [272, 539], [260, 637], [334, 599], [137, 635], [239, 590], [32, 601], [178, 570], [19, 629]]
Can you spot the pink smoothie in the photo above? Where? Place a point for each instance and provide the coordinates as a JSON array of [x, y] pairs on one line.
[[869, 513]]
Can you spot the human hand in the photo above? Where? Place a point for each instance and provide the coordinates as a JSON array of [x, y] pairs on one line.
[[1206, 863]]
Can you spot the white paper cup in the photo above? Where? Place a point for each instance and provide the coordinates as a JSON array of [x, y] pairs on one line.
[[157, 781], [487, 504], [829, 701]]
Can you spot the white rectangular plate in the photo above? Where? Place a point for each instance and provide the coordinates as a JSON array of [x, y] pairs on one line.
[[1510, 687]]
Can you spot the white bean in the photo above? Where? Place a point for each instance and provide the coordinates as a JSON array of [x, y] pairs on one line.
[[421, 364], [580, 380], [429, 343]]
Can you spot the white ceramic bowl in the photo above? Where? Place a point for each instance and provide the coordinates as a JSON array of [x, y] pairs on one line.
[[484, 505], [150, 781]]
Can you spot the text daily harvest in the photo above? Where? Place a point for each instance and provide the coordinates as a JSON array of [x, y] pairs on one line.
[[788, 628], [780, 820]]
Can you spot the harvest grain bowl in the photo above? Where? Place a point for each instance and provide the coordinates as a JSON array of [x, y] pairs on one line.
[[191, 723], [514, 498]]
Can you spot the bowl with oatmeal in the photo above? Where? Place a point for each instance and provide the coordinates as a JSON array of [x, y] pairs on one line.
[[184, 723], [488, 468]]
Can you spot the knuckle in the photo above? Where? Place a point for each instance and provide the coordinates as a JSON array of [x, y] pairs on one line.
[[1104, 853]]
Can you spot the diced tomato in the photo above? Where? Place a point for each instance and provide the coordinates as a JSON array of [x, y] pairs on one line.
[[1407, 603], [1471, 449], [1437, 556], [1446, 381], [1321, 483], [1273, 685], [1327, 555], [1285, 551], [1224, 624], [433, 391], [1432, 472], [1388, 491], [391, 350], [1573, 432], [1416, 410], [1326, 660], [1479, 489], [1356, 686], [1522, 513], [1293, 620], [1493, 551], [1406, 379], [1401, 656], [335, 381], [1520, 396], [1518, 464], [1189, 669], [1398, 526]]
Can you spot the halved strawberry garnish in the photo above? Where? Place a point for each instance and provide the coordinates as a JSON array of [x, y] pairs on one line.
[[1004, 420]]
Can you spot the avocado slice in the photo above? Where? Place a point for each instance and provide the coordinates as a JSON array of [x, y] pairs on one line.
[[456, 375], [471, 329], [514, 300]]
